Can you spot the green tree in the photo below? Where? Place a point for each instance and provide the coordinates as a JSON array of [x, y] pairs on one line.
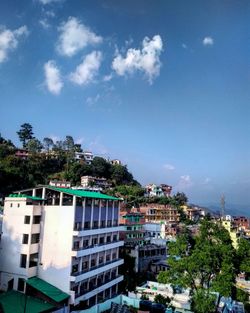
[[120, 175], [243, 257], [48, 143], [180, 198], [129, 282], [144, 297], [77, 147], [101, 168], [34, 145], [162, 300], [25, 133], [204, 265]]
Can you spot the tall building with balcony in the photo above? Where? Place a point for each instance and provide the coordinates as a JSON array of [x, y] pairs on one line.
[[68, 238], [134, 233]]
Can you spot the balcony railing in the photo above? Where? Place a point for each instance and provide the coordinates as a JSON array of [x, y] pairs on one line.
[[94, 267], [94, 246], [93, 287], [81, 228]]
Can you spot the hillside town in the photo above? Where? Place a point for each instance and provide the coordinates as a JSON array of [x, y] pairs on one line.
[[124, 156], [90, 247]]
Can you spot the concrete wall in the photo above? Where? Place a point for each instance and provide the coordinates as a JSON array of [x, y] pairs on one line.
[[11, 243], [107, 304], [56, 246]]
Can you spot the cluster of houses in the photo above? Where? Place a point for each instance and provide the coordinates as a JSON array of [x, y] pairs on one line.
[[60, 246]]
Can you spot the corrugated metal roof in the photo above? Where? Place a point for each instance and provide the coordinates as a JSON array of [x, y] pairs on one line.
[[49, 290], [14, 301], [84, 193]]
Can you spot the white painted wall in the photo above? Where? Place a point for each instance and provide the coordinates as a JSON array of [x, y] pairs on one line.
[[11, 244], [56, 246]]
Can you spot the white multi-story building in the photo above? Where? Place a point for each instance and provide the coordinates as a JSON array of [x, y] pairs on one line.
[[87, 156], [69, 238]]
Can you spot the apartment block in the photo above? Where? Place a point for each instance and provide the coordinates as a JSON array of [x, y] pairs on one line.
[[68, 238]]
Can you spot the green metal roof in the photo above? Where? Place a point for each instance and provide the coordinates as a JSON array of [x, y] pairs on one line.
[[16, 195], [14, 301], [84, 193], [49, 290]]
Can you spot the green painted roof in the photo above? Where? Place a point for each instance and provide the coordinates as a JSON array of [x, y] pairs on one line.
[[16, 195], [49, 290], [14, 301], [84, 193]]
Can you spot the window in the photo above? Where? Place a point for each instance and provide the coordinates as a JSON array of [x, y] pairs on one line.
[[33, 260], [113, 256], [85, 265], [18, 205], [74, 268], [115, 238], [36, 219], [95, 224], [76, 245], [93, 263], [26, 219], [101, 241], [96, 203], [88, 203], [94, 241], [20, 285], [87, 225], [100, 260], [108, 239], [85, 243], [23, 260], [35, 238], [103, 203], [103, 224], [109, 223], [25, 238], [108, 258], [11, 205]]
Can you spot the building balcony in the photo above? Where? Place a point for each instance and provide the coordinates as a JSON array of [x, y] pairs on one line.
[[94, 271], [83, 251], [97, 289], [97, 231]]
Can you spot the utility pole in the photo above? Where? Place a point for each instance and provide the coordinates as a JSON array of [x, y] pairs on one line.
[[222, 202]]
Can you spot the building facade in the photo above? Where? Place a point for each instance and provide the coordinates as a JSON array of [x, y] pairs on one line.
[[162, 190], [157, 213], [68, 238], [134, 232]]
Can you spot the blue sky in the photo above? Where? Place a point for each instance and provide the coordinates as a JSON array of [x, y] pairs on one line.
[[161, 85]]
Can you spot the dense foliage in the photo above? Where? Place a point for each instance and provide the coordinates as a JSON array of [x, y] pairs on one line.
[[205, 263], [51, 160]]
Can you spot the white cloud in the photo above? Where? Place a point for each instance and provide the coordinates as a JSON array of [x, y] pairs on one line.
[[208, 41], [107, 78], [206, 181], [80, 140], [185, 182], [97, 147], [44, 23], [53, 79], [145, 60], [184, 46], [92, 100], [169, 167], [54, 138], [88, 69], [9, 40], [50, 14], [49, 1], [74, 36]]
